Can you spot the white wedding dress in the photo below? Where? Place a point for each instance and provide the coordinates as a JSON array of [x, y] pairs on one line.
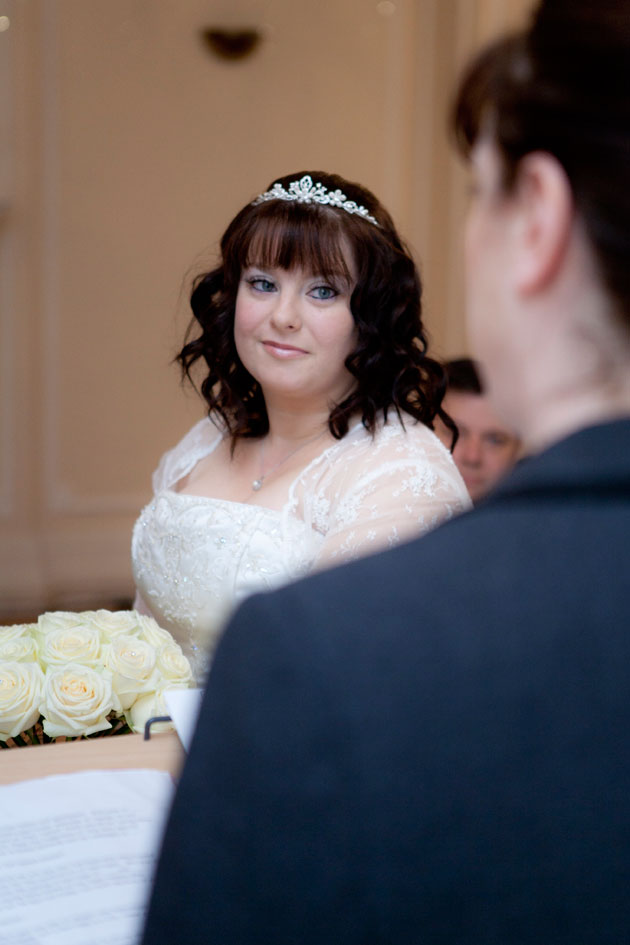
[[194, 558]]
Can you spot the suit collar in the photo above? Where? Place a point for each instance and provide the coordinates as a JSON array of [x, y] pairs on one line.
[[595, 459]]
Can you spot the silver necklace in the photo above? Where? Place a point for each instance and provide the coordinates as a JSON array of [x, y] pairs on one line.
[[258, 483]]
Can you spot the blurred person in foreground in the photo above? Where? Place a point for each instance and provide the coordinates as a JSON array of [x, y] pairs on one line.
[[485, 449], [431, 745]]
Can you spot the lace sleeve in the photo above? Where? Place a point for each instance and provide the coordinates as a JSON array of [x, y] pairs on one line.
[[177, 462], [382, 491]]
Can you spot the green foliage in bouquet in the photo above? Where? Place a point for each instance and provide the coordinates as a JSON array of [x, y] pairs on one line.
[[74, 675], [36, 735]]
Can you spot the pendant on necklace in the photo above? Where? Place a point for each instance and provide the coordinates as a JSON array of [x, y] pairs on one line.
[[257, 484]]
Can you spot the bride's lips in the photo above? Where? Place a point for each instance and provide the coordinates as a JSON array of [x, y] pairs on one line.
[[279, 350]]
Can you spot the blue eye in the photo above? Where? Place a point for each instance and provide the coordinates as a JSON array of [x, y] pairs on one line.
[[261, 284], [323, 292]]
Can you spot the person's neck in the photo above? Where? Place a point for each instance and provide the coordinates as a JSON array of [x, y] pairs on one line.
[[567, 409], [290, 427], [574, 365]]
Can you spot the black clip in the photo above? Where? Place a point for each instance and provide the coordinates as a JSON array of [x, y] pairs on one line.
[[149, 723]]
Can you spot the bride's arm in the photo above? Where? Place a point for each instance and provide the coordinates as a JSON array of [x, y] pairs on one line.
[[392, 494]]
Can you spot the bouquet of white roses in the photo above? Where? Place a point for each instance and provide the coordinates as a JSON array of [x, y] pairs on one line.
[[75, 674]]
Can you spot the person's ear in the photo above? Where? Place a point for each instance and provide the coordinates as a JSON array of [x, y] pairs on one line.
[[545, 218]]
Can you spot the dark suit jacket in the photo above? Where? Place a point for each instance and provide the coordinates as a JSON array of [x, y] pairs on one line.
[[429, 745]]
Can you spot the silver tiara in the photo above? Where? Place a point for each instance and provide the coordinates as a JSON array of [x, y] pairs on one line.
[[305, 191]]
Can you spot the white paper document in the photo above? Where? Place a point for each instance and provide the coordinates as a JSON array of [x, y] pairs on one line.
[[77, 853]]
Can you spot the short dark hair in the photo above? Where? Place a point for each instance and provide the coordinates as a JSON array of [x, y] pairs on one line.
[[389, 363], [463, 375], [562, 87]]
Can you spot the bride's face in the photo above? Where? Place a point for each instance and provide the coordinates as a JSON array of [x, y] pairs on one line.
[[293, 332]]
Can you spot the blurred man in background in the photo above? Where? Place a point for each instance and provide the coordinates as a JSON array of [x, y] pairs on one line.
[[486, 449]]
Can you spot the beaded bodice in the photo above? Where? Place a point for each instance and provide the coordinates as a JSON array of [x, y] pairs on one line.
[[195, 557]]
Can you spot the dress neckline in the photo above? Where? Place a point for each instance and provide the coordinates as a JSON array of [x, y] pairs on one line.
[[172, 489]]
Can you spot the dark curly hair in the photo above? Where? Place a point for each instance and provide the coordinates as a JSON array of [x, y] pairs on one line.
[[389, 363]]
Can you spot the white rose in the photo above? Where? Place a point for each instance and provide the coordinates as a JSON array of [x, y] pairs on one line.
[[173, 665], [77, 644], [152, 632], [112, 623], [132, 662], [21, 686], [16, 630], [18, 647], [76, 701], [58, 620], [148, 706]]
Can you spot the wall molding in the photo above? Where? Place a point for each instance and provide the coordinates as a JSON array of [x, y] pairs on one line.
[[22, 581], [6, 108], [398, 79], [64, 569], [60, 496], [7, 277], [8, 413]]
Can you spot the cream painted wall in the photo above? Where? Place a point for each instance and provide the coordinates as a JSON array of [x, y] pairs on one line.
[[129, 149]]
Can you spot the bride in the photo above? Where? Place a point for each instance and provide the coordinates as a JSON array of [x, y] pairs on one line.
[[318, 443]]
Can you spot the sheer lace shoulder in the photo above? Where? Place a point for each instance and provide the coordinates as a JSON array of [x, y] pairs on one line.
[[366, 493], [201, 440]]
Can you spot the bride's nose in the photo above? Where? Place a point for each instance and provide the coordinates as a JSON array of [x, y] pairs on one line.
[[286, 312]]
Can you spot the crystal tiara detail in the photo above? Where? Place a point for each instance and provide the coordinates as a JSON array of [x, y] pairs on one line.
[[305, 191]]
